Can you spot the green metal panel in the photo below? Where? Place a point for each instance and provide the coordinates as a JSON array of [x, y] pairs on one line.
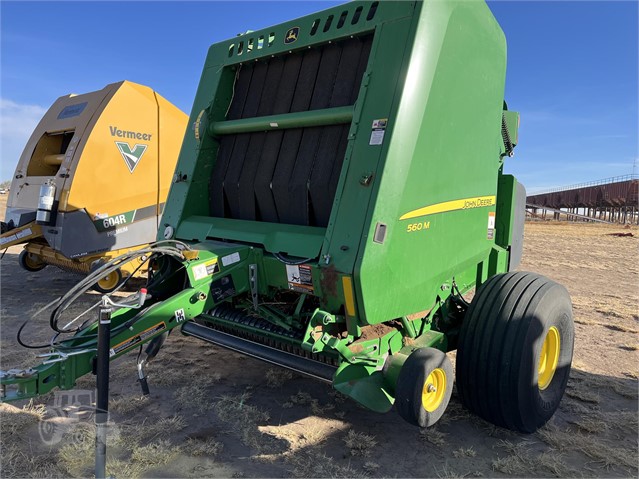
[[444, 147]]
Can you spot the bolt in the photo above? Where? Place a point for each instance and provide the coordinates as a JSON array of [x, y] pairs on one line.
[[431, 389]]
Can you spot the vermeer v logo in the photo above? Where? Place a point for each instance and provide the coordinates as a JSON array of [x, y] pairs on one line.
[[131, 157]]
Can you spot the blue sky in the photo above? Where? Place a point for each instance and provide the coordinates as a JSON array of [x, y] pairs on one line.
[[572, 71]]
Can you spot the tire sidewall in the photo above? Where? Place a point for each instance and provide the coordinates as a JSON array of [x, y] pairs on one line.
[[411, 382], [552, 309]]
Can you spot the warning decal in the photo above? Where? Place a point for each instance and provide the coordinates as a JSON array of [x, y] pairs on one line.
[[137, 339], [378, 131], [203, 270], [222, 288], [300, 278], [491, 225]]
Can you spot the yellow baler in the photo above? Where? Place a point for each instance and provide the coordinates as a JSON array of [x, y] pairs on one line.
[[93, 178]]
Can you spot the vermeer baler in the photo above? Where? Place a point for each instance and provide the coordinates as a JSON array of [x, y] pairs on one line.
[[340, 192], [93, 179]]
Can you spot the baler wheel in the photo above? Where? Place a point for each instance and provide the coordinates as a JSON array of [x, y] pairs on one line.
[[30, 261], [424, 387], [515, 350], [109, 282]]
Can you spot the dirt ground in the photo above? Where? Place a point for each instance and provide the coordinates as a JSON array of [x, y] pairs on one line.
[[213, 413]]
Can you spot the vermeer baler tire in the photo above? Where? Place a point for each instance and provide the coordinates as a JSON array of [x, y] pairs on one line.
[[424, 387], [109, 282], [30, 262], [515, 350]]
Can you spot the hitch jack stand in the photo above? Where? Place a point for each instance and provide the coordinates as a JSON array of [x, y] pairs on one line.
[[102, 386]]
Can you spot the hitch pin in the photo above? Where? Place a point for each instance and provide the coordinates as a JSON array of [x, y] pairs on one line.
[[58, 356]]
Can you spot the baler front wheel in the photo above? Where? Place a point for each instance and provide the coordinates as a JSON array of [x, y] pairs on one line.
[[515, 350], [109, 282], [424, 387], [30, 261]]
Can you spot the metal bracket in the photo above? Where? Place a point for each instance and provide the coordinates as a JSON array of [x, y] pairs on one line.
[[57, 356], [253, 283]]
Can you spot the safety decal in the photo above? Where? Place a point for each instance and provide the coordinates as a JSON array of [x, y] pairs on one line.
[[137, 339], [491, 225], [205, 269], [454, 205], [222, 288], [179, 315], [16, 236], [300, 278], [230, 259], [377, 131]]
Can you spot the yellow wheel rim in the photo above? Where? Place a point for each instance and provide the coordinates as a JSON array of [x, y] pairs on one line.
[[110, 281], [548, 358], [434, 390], [32, 261]]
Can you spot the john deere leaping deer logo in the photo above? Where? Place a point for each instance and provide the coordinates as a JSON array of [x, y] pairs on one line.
[[292, 34], [131, 156]]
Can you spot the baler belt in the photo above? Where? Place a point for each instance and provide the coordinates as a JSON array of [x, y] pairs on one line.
[[288, 176]]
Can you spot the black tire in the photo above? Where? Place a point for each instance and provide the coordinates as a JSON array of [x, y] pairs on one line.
[[109, 282], [500, 346], [412, 383], [30, 261]]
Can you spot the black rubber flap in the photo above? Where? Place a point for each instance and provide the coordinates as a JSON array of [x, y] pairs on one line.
[[288, 176]]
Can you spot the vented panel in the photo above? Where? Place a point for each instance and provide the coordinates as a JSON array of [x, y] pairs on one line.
[[288, 176]]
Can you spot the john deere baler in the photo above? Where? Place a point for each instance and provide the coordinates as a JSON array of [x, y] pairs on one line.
[[341, 190]]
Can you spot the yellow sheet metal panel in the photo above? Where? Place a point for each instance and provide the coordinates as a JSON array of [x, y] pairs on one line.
[[118, 168]]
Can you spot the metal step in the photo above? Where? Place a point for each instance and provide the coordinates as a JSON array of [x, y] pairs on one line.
[[274, 356]]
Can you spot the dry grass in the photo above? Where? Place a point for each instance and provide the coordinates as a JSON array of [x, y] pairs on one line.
[[359, 444], [76, 456], [13, 419], [370, 467], [243, 418], [301, 398], [208, 447], [19, 461], [584, 396], [155, 454], [596, 448], [433, 436], [275, 378], [464, 452], [312, 462], [127, 404], [520, 461], [194, 396], [152, 428]]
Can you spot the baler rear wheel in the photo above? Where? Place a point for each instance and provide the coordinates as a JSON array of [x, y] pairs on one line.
[[424, 387], [109, 282], [30, 261], [515, 350]]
